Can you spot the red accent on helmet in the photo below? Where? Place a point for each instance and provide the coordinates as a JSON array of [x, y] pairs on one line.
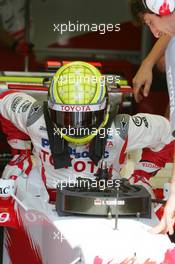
[[164, 9]]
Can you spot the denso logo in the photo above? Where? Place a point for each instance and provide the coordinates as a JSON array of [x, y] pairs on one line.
[[76, 108]]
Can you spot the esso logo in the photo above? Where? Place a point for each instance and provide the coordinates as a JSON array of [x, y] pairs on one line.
[[6, 187]]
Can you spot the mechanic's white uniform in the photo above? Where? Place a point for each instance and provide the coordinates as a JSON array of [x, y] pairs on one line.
[[22, 112], [12, 17], [170, 74]]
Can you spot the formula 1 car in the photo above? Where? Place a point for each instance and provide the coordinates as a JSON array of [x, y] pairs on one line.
[[75, 225]]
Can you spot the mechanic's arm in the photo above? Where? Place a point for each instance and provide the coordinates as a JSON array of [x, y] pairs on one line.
[[19, 110], [143, 77]]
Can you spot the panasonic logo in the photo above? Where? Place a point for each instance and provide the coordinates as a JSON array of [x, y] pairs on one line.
[[4, 190]]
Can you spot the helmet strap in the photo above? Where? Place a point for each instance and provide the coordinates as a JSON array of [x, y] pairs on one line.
[[97, 146], [58, 145]]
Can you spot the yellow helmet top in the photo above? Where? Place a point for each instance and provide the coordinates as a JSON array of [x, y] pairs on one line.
[[77, 83]]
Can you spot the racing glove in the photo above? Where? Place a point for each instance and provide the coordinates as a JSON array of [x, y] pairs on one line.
[[150, 163]]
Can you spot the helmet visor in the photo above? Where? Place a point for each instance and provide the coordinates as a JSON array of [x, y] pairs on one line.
[[78, 123]]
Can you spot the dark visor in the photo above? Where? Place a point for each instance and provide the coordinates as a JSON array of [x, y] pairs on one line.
[[84, 121]]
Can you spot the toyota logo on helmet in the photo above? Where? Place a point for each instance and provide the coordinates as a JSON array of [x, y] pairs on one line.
[[160, 7]]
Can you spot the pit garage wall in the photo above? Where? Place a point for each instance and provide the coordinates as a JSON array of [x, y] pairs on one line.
[[45, 13]]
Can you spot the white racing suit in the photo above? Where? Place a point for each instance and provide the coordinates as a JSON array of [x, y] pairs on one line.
[[21, 118]]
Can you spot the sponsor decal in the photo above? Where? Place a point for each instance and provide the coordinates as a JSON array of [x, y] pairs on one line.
[[4, 217], [76, 108], [139, 120], [45, 142], [4, 190], [42, 128], [81, 166], [47, 157], [83, 154], [36, 111], [73, 152], [100, 202], [109, 144], [110, 136], [17, 160], [16, 102], [149, 165], [123, 124], [78, 166], [24, 106], [97, 202], [6, 187]]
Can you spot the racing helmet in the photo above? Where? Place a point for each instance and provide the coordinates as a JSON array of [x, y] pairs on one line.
[[160, 7], [78, 102]]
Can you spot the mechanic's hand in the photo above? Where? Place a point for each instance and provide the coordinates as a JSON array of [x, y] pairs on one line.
[[142, 81], [167, 222], [22, 47], [135, 261]]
